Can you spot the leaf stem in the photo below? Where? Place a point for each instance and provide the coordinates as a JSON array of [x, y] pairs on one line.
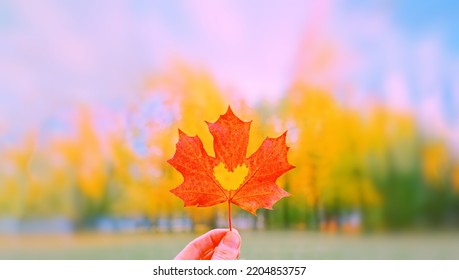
[[229, 215]]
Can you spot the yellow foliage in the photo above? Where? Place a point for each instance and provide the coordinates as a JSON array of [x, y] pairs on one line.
[[230, 180], [434, 162], [336, 150]]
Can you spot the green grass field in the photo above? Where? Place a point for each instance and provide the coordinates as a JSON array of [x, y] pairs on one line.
[[256, 245]]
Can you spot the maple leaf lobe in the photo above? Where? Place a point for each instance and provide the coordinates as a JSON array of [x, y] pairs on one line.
[[192, 161], [231, 138], [266, 165]]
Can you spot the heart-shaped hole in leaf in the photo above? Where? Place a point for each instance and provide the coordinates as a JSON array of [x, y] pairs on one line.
[[230, 180]]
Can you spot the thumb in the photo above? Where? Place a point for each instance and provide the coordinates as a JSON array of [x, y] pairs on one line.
[[228, 249]]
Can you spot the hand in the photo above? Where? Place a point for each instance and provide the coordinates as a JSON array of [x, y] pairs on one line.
[[217, 244]]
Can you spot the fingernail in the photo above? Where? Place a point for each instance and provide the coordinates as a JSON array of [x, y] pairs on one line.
[[231, 240]]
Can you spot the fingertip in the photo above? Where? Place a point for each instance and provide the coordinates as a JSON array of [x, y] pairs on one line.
[[232, 239], [229, 247]]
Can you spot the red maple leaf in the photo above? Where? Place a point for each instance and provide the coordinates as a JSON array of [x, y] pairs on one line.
[[258, 188]]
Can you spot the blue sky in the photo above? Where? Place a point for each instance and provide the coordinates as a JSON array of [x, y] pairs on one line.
[[58, 54]]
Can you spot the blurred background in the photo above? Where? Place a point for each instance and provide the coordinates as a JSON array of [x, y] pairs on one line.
[[92, 94]]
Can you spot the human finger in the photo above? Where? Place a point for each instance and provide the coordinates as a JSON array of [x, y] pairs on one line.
[[229, 247], [202, 246]]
